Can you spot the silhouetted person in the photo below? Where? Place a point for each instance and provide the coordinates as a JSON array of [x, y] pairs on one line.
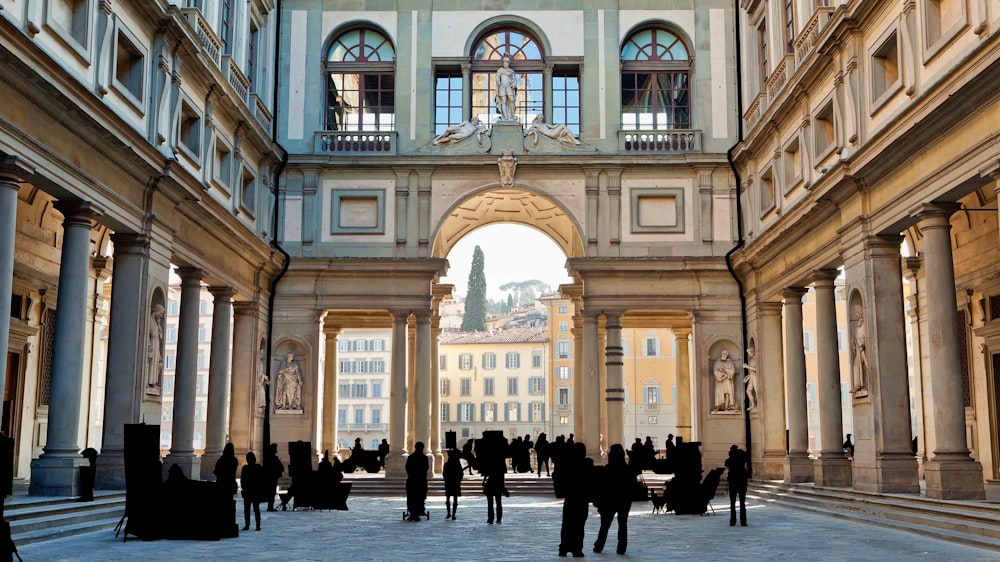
[[452, 474], [467, 455], [416, 482], [569, 440], [737, 477], [542, 454], [848, 447], [635, 453], [325, 468], [88, 474], [383, 452], [254, 488], [913, 445], [273, 469], [648, 453], [669, 445], [613, 497], [571, 481], [494, 484], [225, 470]]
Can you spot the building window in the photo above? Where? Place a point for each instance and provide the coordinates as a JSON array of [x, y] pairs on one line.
[[885, 70], [130, 68], [536, 359], [445, 387], [466, 433], [202, 363], [378, 345], [824, 131], [199, 411], [788, 15], [465, 361], [447, 100], [342, 416], [465, 412], [360, 82], [807, 342], [248, 192], [563, 349], [563, 326], [173, 308], [562, 397], [536, 386], [171, 334], [562, 372], [562, 310], [536, 411], [190, 130], [360, 345], [942, 19], [489, 412], [652, 347], [359, 416], [71, 18], [489, 360], [378, 366], [488, 386], [253, 44], [526, 60], [226, 29], [345, 366], [512, 411], [376, 390], [344, 345], [766, 191], [652, 395], [376, 414], [168, 361], [511, 386], [762, 53], [466, 387], [202, 332], [442, 362], [223, 165], [513, 360], [168, 382], [655, 81], [566, 103], [445, 412], [359, 390], [792, 165]]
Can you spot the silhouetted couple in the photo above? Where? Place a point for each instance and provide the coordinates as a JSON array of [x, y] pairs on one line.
[[737, 477]]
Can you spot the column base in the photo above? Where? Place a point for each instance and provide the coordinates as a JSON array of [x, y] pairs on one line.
[[395, 465], [110, 471], [190, 464], [946, 480], [799, 468], [56, 475], [896, 474], [208, 461], [833, 471], [437, 466], [771, 466]]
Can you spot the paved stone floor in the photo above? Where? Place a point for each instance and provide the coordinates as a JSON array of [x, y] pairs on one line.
[[373, 529]]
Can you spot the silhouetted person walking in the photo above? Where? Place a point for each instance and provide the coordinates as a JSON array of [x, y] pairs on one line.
[[571, 481], [470, 459], [273, 469], [614, 497], [737, 477], [225, 469], [416, 482], [669, 445], [254, 486], [452, 474], [542, 454]]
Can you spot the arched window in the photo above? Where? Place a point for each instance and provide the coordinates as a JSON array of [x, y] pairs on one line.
[[360, 83], [526, 60], [655, 81]]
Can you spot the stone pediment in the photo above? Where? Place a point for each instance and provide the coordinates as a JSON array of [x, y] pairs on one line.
[[507, 136]]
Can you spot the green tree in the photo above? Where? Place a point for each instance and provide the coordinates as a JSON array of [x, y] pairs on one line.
[[474, 318], [510, 303]]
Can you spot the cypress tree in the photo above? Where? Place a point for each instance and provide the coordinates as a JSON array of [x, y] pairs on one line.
[[510, 303], [474, 318]]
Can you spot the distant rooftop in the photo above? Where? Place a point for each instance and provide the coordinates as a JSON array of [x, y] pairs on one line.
[[532, 334]]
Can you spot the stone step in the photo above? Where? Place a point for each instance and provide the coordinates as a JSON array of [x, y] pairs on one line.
[[41, 521], [28, 510], [39, 535], [968, 523]]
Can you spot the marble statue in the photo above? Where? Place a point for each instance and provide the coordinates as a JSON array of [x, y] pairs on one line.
[[558, 132], [507, 164], [859, 351], [154, 349], [750, 380], [724, 371], [262, 381], [462, 131], [289, 392], [507, 83]]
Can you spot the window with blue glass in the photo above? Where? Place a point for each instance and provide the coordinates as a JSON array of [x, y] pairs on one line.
[[655, 81], [360, 82]]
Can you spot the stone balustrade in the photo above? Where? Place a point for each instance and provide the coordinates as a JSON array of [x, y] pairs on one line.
[[356, 141], [680, 140]]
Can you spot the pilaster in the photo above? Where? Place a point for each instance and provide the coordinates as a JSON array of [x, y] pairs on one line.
[[682, 336], [771, 382]]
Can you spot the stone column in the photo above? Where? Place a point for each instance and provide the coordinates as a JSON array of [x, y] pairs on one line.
[[578, 372], [436, 395], [411, 380], [10, 183], [615, 397], [798, 465], [186, 376], [218, 379], [952, 473], [913, 270], [395, 461], [247, 365], [771, 391], [54, 472], [330, 388], [123, 386], [883, 460], [589, 432], [421, 384], [682, 336], [832, 468]]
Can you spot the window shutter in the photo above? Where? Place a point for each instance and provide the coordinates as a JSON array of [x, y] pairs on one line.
[[543, 412], [482, 411], [518, 411]]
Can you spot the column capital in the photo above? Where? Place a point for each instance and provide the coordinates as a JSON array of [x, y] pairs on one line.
[[824, 277], [222, 293], [248, 308], [884, 244], [80, 213], [793, 295], [681, 334], [190, 275], [770, 308], [934, 215], [613, 319], [130, 242], [911, 266], [15, 170]]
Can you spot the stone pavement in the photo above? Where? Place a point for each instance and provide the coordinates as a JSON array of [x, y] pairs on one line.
[[373, 529]]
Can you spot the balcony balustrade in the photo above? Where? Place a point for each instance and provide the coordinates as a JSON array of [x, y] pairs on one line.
[[352, 142], [671, 141]]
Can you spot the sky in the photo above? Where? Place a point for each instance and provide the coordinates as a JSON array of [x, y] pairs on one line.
[[512, 253]]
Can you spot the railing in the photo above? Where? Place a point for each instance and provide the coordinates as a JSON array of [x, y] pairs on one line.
[[235, 77], [779, 77], [752, 114], [210, 42], [364, 427], [807, 39], [660, 141], [356, 141], [261, 113]]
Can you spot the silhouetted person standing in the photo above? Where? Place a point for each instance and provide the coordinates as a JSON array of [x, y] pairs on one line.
[[416, 482], [613, 496], [571, 481], [542, 454], [849, 447], [225, 469], [669, 445], [470, 459], [254, 485], [452, 474], [494, 485], [383, 452], [273, 469], [737, 477]]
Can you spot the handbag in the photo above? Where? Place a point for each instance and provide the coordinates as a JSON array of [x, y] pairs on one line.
[[639, 491]]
